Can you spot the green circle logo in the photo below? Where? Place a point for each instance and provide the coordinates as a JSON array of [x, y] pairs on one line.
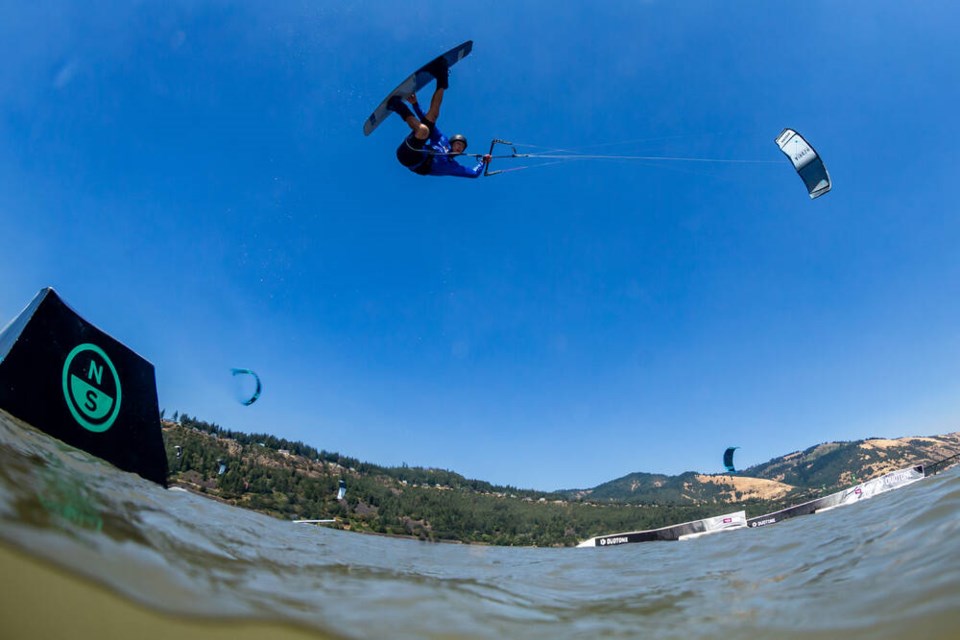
[[92, 397]]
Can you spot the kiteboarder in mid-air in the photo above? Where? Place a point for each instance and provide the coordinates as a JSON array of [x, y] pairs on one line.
[[427, 150]]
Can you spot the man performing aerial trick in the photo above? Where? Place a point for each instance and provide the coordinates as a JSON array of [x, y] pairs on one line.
[[427, 150]]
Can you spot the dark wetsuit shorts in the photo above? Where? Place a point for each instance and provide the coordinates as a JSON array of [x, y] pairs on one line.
[[411, 152]]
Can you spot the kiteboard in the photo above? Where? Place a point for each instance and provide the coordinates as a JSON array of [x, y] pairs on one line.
[[414, 82]]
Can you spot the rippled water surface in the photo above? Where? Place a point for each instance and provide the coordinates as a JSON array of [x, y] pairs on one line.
[[884, 568]]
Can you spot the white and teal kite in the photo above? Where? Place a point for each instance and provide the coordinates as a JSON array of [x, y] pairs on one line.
[[806, 161]]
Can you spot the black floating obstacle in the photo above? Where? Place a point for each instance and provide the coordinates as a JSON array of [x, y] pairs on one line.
[[64, 376]]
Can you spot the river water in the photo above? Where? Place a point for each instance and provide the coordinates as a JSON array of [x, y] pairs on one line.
[[88, 551]]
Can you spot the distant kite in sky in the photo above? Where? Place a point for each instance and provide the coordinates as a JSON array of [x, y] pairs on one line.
[[806, 161], [728, 459], [247, 386]]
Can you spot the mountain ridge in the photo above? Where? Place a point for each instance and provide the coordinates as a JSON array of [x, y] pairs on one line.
[[293, 481], [823, 466]]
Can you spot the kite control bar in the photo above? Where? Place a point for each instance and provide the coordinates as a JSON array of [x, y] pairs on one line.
[[493, 144]]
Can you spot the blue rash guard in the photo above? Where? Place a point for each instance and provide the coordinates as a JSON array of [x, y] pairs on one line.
[[436, 158]]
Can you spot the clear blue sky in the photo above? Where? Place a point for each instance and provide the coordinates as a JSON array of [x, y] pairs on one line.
[[192, 177]]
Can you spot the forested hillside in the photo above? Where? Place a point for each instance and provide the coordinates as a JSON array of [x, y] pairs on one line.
[[291, 480]]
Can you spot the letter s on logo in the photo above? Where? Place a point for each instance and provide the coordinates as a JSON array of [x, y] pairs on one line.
[[91, 403]]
